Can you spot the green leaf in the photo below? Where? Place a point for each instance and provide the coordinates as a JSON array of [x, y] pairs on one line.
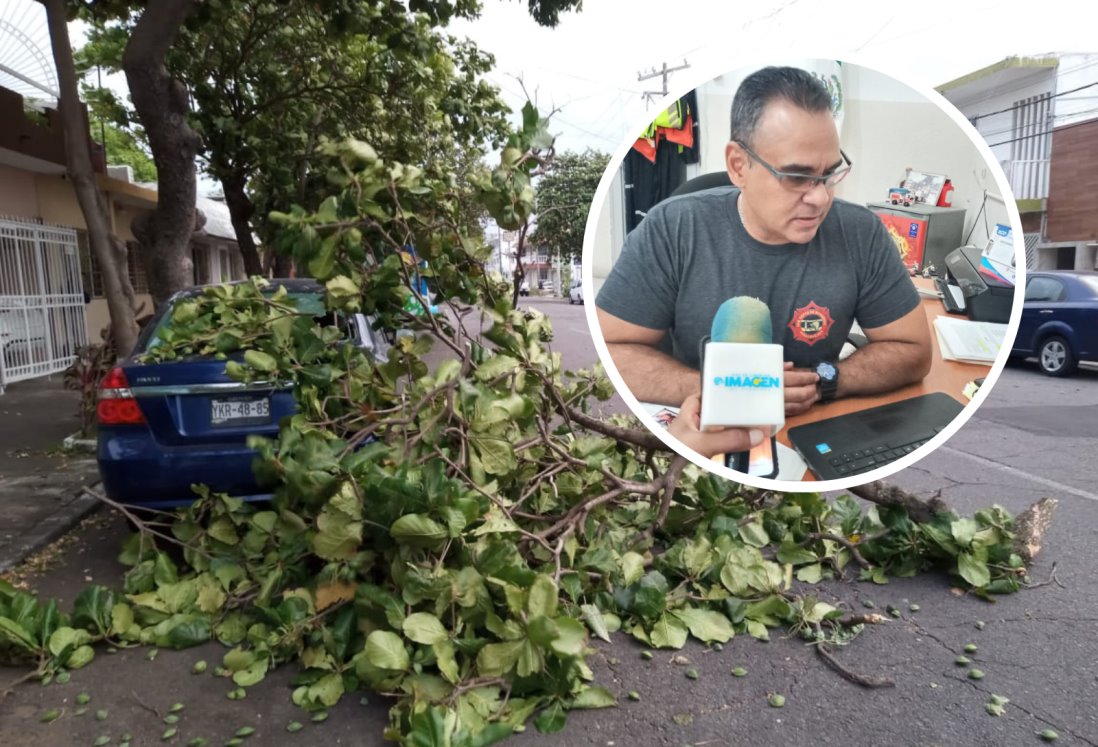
[[706, 625], [632, 567], [594, 697], [65, 640], [446, 662], [972, 570], [423, 627], [552, 719], [757, 630], [432, 728], [496, 454], [17, 635], [754, 535], [963, 530], [810, 574], [543, 597], [385, 650], [252, 674], [592, 615], [92, 609], [81, 657], [572, 637], [496, 659], [791, 553], [260, 361], [668, 632], [327, 690], [418, 531]]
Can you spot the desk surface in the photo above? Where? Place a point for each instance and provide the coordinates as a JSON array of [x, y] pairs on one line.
[[945, 376]]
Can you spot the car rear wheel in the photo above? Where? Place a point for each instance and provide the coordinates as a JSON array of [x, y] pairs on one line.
[[1055, 357]]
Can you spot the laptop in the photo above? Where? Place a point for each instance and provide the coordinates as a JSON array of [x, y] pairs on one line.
[[862, 441]]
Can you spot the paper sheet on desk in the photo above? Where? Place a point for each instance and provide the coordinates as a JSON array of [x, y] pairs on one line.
[[968, 341]]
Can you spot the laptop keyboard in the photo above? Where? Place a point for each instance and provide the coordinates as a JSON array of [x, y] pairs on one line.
[[872, 457]]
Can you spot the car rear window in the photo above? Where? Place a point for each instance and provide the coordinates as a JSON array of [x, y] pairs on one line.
[[1091, 282], [308, 303]]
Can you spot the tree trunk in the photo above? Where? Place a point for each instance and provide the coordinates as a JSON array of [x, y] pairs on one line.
[[241, 211], [162, 105], [112, 263]]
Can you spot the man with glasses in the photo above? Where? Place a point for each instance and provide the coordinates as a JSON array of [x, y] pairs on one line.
[[778, 235]]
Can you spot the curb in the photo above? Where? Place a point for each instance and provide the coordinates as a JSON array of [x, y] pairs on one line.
[[52, 527]]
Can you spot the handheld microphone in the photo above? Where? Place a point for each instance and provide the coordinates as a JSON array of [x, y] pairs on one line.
[[742, 370]]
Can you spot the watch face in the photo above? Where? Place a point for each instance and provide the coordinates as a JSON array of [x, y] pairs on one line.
[[826, 370]]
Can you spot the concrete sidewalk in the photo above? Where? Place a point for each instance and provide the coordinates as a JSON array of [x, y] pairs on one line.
[[39, 482]]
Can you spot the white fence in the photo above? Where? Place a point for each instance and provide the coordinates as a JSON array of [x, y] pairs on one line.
[[41, 300]]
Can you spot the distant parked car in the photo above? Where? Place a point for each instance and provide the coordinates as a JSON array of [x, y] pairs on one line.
[[546, 285], [575, 295], [1059, 320], [163, 426]]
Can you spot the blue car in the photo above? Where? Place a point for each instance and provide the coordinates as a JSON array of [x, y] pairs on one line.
[[1059, 320], [164, 426]]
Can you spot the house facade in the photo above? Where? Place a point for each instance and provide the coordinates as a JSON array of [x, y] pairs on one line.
[[1040, 118], [51, 290]]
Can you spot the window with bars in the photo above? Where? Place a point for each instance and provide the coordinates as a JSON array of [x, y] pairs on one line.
[[92, 273], [201, 256]]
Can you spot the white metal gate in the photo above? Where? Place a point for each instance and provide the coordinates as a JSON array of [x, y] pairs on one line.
[[41, 299]]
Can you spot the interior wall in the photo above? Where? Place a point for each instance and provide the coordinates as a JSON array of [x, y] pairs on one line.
[[886, 127]]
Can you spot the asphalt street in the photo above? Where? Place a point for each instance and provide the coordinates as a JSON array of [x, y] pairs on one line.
[[1033, 437]]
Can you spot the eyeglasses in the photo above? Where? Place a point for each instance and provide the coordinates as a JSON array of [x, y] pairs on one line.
[[802, 182]]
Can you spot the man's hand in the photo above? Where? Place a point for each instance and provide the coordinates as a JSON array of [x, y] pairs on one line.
[[800, 389], [687, 429]]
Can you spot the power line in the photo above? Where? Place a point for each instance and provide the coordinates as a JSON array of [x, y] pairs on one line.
[[1041, 134], [1025, 103]]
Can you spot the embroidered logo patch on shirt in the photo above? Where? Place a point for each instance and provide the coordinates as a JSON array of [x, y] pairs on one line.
[[811, 323]]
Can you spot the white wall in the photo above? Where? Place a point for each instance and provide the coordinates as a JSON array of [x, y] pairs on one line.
[[996, 128], [1076, 70]]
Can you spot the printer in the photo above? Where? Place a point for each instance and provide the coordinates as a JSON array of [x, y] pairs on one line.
[[987, 299]]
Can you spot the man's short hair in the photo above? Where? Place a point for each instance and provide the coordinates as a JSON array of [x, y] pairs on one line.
[[798, 87]]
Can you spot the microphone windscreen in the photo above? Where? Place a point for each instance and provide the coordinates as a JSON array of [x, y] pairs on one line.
[[742, 319]]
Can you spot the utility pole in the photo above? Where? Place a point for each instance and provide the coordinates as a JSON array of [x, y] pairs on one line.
[[663, 73]]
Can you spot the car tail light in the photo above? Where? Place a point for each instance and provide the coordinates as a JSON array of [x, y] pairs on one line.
[[117, 405]]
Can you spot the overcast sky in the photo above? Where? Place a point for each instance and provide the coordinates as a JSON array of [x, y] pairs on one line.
[[588, 65]]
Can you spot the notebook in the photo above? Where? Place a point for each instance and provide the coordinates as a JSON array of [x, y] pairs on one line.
[[862, 441]]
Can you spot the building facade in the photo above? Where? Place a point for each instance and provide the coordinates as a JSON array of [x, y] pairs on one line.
[[51, 290], [1039, 115]]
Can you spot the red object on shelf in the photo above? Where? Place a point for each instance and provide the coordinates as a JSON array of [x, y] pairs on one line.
[[945, 199]]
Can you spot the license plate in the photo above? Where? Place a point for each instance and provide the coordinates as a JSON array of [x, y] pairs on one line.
[[240, 410]]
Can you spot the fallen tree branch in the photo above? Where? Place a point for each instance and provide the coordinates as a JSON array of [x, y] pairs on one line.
[[919, 509], [840, 540], [636, 437], [864, 680], [1030, 527], [142, 526], [1051, 580], [670, 482]]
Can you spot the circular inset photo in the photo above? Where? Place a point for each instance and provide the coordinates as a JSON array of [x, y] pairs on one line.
[[804, 273]]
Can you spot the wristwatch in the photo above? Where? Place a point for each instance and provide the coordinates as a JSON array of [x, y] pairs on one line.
[[828, 385]]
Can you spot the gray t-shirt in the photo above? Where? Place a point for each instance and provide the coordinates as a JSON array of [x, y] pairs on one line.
[[692, 253]]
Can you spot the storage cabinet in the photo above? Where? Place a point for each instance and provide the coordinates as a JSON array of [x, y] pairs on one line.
[[926, 233]]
